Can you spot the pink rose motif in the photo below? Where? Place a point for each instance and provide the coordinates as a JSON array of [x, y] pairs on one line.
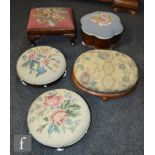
[[105, 18], [53, 100], [58, 117], [32, 55], [101, 19]]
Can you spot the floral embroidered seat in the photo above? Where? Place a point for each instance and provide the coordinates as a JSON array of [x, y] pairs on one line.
[[58, 118], [41, 65], [50, 20], [105, 71]]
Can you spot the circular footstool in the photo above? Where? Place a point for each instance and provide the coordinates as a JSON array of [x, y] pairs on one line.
[[101, 29], [105, 73], [58, 118], [41, 66]]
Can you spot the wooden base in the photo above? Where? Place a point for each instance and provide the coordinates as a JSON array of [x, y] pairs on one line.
[[95, 42], [103, 96], [105, 0], [34, 35], [126, 5]]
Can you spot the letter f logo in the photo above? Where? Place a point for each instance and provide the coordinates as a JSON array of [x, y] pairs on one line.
[[21, 143]]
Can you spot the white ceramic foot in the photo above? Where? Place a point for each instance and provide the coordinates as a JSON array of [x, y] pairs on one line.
[[45, 86], [60, 149], [23, 82], [72, 44], [65, 73], [83, 44]]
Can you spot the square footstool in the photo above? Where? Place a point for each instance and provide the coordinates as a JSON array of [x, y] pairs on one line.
[[51, 21]]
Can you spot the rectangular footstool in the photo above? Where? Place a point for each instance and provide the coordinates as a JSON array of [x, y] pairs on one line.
[[51, 21]]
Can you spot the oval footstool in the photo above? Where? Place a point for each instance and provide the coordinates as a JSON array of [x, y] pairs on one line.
[[101, 29], [41, 66], [105, 73], [58, 118]]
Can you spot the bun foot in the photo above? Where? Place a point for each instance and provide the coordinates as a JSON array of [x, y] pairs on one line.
[[115, 9], [132, 12], [104, 98]]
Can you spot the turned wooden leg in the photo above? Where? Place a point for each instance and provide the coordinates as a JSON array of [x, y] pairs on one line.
[[115, 9], [33, 39], [72, 38]]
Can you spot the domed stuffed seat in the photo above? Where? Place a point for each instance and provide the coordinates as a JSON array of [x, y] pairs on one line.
[[101, 29], [41, 65], [58, 118], [105, 73]]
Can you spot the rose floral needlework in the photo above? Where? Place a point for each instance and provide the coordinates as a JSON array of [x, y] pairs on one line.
[[50, 16], [101, 19], [39, 60], [55, 112]]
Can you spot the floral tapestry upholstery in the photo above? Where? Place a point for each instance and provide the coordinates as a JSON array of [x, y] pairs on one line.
[[58, 118], [41, 65], [50, 18], [105, 71]]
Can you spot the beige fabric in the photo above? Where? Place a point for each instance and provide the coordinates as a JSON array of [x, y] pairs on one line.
[[41, 65], [58, 118], [105, 71]]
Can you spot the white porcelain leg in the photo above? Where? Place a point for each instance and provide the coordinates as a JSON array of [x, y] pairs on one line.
[[23, 82], [65, 73], [83, 43], [60, 149], [45, 86]]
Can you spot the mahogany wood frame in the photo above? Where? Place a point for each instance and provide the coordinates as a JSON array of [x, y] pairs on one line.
[[92, 41], [125, 5], [34, 35], [103, 96]]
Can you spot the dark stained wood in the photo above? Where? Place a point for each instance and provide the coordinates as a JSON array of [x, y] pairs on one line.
[[95, 42], [103, 96], [106, 0], [34, 35], [126, 5]]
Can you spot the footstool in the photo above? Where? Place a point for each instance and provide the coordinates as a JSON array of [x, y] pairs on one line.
[[129, 5], [101, 29], [58, 118], [41, 66], [51, 21], [105, 73]]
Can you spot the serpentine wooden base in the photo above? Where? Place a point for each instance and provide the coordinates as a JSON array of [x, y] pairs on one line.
[[95, 42], [103, 96], [125, 5]]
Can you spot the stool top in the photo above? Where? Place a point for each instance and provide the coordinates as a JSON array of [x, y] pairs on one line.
[[105, 71], [47, 18], [58, 118], [103, 25], [41, 65]]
